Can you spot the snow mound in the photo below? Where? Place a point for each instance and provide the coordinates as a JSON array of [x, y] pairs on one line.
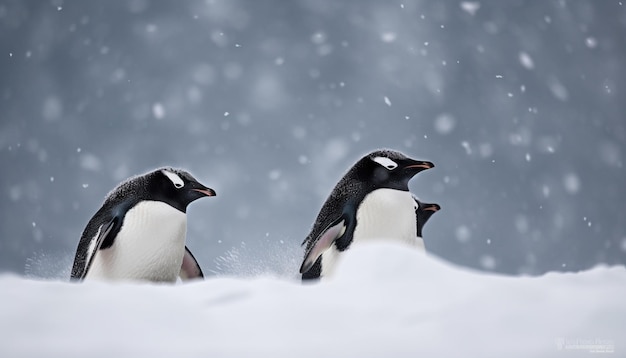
[[384, 301]]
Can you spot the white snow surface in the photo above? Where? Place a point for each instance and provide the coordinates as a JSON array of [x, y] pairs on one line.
[[384, 301]]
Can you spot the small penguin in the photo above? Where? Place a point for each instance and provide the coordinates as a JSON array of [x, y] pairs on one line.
[[139, 232], [372, 201], [423, 212]]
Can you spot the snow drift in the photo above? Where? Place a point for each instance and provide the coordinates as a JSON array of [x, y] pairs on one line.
[[384, 301]]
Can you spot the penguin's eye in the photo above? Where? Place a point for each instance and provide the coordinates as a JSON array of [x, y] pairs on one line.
[[386, 162], [176, 180]]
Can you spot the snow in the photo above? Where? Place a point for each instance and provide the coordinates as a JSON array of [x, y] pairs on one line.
[[158, 111], [467, 147], [521, 224], [526, 61], [387, 101], [444, 123], [470, 7], [463, 233], [488, 262], [52, 108], [90, 162], [571, 183], [591, 42], [388, 37], [558, 90], [406, 305]]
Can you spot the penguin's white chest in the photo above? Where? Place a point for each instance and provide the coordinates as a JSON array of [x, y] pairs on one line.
[[384, 214], [149, 246]]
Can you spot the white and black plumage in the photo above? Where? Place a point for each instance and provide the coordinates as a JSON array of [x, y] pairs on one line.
[[372, 201], [139, 232]]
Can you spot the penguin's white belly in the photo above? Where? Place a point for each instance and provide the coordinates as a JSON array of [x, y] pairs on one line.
[[384, 214], [149, 246]]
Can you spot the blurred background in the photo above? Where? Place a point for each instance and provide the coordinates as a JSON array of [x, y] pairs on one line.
[[520, 104]]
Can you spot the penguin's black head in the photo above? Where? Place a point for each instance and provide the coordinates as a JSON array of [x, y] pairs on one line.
[[423, 212], [176, 187], [390, 169]]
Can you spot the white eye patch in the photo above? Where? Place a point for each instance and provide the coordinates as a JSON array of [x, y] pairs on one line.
[[386, 162], [176, 180]]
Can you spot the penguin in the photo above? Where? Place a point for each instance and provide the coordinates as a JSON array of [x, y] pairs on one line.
[[371, 201], [423, 212], [139, 232]]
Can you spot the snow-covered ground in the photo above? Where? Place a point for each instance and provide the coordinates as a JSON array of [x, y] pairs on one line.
[[384, 301]]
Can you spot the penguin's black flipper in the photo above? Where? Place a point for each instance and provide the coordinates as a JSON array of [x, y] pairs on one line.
[[323, 242], [190, 269], [83, 264]]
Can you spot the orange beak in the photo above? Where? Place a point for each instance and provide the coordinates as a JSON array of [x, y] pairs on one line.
[[207, 191]]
